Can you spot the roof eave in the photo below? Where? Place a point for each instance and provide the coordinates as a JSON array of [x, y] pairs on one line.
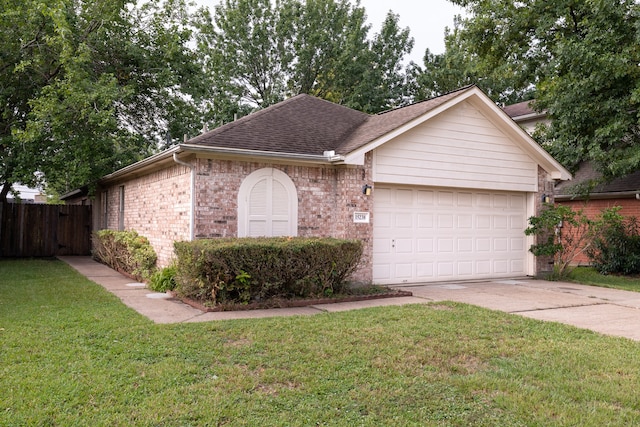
[[528, 116], [599, 196], [328, 157], [140, 165], [150, 162]]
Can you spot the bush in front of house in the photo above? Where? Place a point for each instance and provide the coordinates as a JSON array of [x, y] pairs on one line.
[[615, 248], [163, 280], [125, 251], [220, 271], [561, 234]]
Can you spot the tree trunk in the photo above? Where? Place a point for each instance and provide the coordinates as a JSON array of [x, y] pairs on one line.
[[4, 192]]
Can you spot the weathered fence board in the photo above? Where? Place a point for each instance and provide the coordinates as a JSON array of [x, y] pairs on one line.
[[35, 230]]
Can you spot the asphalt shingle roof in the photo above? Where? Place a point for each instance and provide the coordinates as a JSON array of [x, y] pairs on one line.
[[304, 124], [519, 109], [587, 172]]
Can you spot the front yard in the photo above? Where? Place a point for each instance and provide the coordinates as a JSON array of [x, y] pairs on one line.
[[72, 354]]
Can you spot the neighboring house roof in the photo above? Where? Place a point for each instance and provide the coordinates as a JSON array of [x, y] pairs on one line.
[[519, 110], [306, 128], [624, 187]]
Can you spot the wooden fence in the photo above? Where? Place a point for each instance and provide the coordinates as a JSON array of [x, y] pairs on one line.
[[35, 230]]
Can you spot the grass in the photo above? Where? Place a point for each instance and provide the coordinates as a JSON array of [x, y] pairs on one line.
[[73, 354], [589, 276]]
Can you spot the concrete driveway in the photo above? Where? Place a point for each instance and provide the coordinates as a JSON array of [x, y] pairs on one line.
[[608, 311]]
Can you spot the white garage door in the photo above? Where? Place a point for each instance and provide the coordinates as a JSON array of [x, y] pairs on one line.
[[424, 234]]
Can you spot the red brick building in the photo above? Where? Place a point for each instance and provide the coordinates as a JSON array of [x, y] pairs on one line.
[[438, 190], [623, 192]]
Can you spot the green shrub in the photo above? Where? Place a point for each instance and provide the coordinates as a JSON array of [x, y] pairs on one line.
[[126, 251], [615, 248], [163, 280], [561, 234], [256, 269]]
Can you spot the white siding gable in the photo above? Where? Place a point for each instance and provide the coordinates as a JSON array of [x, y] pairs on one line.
[[458, 148]]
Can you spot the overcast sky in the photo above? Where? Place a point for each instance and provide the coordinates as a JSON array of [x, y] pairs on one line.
[[427, 20]]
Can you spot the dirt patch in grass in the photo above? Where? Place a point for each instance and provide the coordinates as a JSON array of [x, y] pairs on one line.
[[359, 294]]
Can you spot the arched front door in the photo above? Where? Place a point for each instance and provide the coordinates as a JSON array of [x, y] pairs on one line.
[[267, 205]]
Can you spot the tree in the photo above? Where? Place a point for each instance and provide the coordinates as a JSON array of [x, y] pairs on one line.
[[258, 52], [381, 83], [91, 86], [561, 234], [582, 59], [460, 66]]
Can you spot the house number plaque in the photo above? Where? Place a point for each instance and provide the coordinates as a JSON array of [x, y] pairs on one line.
[[361, 217]]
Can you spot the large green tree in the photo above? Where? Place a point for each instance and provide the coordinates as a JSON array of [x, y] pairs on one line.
[[461, 65], [90, 86], [259, 52], [581, 58]]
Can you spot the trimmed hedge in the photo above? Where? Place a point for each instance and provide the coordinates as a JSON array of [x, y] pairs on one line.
[[125, 251], [219, 271]]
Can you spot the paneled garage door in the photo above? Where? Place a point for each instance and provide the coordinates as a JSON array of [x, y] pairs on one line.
[[424, 234]]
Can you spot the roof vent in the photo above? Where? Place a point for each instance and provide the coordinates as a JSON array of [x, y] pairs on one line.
[[329, 153]]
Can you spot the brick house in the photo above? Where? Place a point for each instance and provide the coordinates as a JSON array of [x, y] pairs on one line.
[[438, 190], [623, 192]]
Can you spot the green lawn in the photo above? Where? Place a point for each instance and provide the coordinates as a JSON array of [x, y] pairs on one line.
[[589, 276], [71, 355]]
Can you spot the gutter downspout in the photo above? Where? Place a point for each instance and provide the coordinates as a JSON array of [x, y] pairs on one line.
[[192, 195]]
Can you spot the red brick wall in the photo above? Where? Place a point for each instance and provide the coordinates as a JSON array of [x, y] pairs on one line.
[[592, 208], [545, 187], [327, 197], [157, 206]]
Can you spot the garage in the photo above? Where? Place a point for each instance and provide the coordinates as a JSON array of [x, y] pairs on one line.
[[428, 234]]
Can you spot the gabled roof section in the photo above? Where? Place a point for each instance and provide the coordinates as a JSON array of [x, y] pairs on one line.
[[302, 124], [383, 123], [309, 129], [383, 127], [519, 109]]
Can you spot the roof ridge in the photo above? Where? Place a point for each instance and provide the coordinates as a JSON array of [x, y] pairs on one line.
[[469, 86], [233, 124]]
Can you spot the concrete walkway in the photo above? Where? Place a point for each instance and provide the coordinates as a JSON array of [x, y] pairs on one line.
[[161, 308], [608, 311]]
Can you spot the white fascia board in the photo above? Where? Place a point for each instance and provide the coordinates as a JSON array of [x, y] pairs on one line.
[[142, 164], [527, 143], [500, 119], [315, 158], [152, 161]]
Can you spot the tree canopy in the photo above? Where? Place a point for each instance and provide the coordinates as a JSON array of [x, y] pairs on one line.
[[259, 52], [90, 86], [579, 59]]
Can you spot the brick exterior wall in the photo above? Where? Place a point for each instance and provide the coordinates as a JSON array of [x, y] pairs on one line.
[[545, 187], [592, 208], [327, 197], [156, 205]]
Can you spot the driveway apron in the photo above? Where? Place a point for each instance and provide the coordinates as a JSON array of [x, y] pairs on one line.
[[608, 311]]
